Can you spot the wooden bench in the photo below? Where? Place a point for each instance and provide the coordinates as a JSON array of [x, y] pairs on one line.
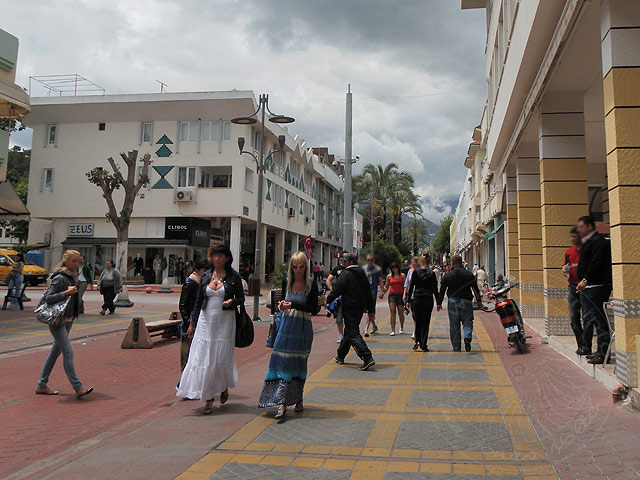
[[139, 332], [19, 298]]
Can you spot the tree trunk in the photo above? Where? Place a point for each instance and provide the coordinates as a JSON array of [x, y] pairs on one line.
[[122, 246]]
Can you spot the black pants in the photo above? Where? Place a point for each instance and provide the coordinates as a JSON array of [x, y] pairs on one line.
[[575, 315], [352, 336], [592, 300], [108, 294], [423, 307]]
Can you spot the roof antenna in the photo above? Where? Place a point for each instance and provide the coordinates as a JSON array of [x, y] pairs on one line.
[[162, 86]]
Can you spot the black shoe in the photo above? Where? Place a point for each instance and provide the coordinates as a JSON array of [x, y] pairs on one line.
[[582, 351], [416, 345], [367, 364], [425, 349], [339, 360], [591, 355], [467, 344], [597, 359]]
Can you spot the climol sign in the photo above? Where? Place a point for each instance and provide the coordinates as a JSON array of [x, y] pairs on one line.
[[80, 230]]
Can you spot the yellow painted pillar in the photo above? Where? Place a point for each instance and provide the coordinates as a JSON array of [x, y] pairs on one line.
[[529, 231], [513, 257], [620, 28], [564, 196]]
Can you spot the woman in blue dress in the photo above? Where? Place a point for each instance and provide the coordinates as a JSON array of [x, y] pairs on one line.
[[284, 384]]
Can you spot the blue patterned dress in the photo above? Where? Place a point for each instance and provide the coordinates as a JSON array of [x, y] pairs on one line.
[[284, 384]]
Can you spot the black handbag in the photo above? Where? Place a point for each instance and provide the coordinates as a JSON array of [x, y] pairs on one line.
[[244, 328]]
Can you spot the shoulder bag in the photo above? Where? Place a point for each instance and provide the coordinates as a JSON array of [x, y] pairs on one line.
[[51, 314], [244, 328]]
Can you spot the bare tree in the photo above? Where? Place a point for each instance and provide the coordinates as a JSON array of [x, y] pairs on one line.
[[109, 182]]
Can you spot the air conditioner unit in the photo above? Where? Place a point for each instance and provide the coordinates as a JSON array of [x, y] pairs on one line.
[[307, 220], [184, 196], [292, 212]]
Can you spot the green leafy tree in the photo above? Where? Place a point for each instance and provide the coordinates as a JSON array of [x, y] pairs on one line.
[[441, 243], [18, 175], [385, 252], [417, 232]]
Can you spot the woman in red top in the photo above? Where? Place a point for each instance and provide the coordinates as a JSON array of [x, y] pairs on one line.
[[395, 285]]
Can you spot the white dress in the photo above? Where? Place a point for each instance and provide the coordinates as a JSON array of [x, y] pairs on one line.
[[211, 367]]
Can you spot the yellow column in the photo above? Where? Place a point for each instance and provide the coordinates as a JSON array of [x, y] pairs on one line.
[[564, 196], [621, 72], [513, 258], [529, 231]]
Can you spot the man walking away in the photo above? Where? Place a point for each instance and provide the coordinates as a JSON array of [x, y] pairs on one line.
[[316, 272], [570, 270], [355, 290], [594, 272], [482, 277], [374, 275], [460, 285], [333, 276]]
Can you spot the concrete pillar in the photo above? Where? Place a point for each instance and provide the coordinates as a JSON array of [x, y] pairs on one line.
[[621, 72], [279, 248], [564, 196], [263, 249], [513, 256], [529, 231], [295, 243], [234, 241]]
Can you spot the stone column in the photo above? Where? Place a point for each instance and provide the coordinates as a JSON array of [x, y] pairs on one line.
[[263, 249], [513, 257], [295, 243], [234, 240], [620, 36], [529, 231], [564, 196], [279, 248]]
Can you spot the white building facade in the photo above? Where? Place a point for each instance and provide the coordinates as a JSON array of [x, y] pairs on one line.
[[200, 189]]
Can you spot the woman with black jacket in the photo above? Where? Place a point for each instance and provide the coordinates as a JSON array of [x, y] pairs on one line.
[[423, 289], [188, 296], [211, 367], [64, 283], [287, 374]]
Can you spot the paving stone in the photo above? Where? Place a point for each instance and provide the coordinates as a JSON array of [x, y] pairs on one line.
[[454, 436], [348, 432], [445, 476], [453, 374], [454, 399], [378, 372], [451, 357], [233, 471], [382, 358], [404, 344], [348, 396]]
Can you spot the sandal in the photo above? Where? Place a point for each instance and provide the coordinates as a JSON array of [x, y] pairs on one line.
[[46, 391], [224, 396], [208, 408], [299, 407], [282, 411]]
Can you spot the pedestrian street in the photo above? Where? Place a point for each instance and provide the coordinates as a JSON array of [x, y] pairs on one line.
[[415, 415]]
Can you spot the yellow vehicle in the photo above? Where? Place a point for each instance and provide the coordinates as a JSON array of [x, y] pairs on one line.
[[33, 274]]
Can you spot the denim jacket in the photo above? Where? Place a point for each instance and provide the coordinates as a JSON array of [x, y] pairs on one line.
[[232, 291]]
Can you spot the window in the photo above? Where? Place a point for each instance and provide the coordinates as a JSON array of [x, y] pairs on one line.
[[215, 177], [186, 177], [205, 133], [102, 127], [52, 134], [211, 131], [189, 131], [248, 179], [147, 129], [226, 131], [47, 179]]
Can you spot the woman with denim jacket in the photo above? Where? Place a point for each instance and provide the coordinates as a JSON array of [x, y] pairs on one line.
[[211, 367], [63, 284]]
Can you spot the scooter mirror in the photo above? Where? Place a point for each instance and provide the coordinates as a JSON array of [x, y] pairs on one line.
[[511, 278]]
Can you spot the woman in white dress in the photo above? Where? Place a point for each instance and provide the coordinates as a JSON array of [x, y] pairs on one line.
[[211, 367]]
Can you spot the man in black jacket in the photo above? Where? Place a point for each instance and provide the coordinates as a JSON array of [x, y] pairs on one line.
[[354, 287], [460, 285], [594, 272]]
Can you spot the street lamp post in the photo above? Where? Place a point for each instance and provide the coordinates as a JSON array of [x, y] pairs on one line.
[[263, 107]]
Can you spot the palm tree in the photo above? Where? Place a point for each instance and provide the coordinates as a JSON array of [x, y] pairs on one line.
[[417, 230], [402, 201]]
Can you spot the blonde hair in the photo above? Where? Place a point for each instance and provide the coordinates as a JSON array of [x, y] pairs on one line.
[[66, 256], [424, 258], [299, 257]]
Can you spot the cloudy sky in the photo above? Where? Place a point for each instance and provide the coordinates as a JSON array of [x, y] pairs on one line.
[[415, 66]]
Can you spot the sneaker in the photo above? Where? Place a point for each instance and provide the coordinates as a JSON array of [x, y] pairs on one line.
[[400, 332], [467, 344], [366, 334], [375, 329], [339, 360], [366, 365], [392, 334], [339, 339], [413, 335]]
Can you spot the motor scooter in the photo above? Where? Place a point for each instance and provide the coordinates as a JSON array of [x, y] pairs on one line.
[[510, 316]]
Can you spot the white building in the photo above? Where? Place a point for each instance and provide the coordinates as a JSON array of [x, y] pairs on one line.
[[200, 188]]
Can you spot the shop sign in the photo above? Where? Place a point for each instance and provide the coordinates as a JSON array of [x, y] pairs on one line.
[[177, 228], [196, 231], [200, 232], [80, 230]]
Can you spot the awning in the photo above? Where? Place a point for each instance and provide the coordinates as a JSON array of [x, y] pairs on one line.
[[492, 234], [132, 241], [10, 203], [14, 101]]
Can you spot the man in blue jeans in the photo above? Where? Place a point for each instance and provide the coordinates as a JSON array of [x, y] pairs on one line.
[[460, 285]]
